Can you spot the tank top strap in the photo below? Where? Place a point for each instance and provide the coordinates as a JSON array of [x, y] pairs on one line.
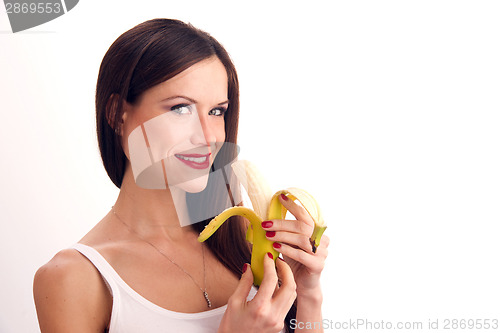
[[98, 260], [109, 275]]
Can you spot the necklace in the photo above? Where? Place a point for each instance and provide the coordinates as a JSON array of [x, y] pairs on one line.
[[203, 290]]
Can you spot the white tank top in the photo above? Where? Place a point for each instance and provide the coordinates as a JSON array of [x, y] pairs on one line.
[[132, 313]]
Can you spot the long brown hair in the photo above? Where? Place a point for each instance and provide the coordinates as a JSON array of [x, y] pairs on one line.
[[142, 57]]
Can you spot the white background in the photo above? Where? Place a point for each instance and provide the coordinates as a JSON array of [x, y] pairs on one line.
[[387, 111]]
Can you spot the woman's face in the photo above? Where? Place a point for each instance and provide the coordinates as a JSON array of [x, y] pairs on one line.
[[181, 122]]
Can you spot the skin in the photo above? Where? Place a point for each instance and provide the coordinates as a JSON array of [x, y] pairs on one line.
[[291, 239], [69, 293]]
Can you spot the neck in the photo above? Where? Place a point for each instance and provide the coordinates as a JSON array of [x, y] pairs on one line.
[[152, 213]]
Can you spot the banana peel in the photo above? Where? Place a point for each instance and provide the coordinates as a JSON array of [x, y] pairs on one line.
[[266, 206]]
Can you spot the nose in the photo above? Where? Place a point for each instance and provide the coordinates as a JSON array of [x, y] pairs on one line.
[[204, 134]]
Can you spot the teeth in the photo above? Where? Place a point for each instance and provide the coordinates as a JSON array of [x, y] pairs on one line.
[[193, 159]]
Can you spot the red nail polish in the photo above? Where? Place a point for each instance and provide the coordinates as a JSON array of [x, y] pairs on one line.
[[270, 255], [281, 259], [284, 197], [276, 245], [270, 233], [245, 266], [267, 224]]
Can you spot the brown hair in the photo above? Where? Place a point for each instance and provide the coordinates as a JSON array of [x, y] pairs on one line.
[[142, 57]]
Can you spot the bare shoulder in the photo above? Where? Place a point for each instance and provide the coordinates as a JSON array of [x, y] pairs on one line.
[[68, 268], [70, 295]]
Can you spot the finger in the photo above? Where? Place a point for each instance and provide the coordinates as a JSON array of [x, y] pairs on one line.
[[241, 293], [299, 212], [324, 242], [269, 281], [295, 240], [322, 252], [295, 226], [286, 294], [313, 262], [322, 249]]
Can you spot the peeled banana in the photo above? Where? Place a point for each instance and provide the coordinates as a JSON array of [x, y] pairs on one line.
[[266, 206]]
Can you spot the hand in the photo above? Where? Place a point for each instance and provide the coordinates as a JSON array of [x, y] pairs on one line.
[[266, 312], [291, 238]]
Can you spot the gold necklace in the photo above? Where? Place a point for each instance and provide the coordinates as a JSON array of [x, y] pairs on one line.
[[203, 290]]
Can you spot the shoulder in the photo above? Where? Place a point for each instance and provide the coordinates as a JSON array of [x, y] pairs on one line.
[[67, 268], [67, 258], [69, 292]]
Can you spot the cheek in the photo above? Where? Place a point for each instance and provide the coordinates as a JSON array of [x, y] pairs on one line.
[[220, 137], [154, 139], [125, 133], [163, 139], [221, 133], [219, 130]]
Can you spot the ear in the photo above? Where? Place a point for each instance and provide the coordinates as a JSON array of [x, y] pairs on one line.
[[113, 109]]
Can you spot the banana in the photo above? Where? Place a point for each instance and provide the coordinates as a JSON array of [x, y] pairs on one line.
[[266, 206]]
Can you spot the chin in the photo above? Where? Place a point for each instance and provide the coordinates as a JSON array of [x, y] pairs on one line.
[[194, 185]]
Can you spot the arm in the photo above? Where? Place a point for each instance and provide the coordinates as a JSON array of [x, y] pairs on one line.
[[70, 295], [309, 311]]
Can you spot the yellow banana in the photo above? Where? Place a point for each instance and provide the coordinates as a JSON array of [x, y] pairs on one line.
[[266, 206]]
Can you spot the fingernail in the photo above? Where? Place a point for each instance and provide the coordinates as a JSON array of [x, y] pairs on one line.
[[284, 197], [270, 255], [245, 266], [267, 224], [270, 233], [281, 259], [276, 245]]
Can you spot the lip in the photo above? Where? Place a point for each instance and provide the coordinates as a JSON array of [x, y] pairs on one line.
[[203, 163]]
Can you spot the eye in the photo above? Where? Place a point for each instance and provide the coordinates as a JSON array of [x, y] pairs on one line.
[[181, 109], [217, 111]]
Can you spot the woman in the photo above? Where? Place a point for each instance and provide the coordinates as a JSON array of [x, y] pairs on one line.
[[138, 261]]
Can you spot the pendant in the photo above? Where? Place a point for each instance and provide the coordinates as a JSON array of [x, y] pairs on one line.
[[206, 299]]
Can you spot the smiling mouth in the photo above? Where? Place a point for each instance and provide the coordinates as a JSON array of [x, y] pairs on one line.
[[195, 161]]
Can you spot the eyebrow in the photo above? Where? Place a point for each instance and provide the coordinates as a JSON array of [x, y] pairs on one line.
[[189, 99]]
